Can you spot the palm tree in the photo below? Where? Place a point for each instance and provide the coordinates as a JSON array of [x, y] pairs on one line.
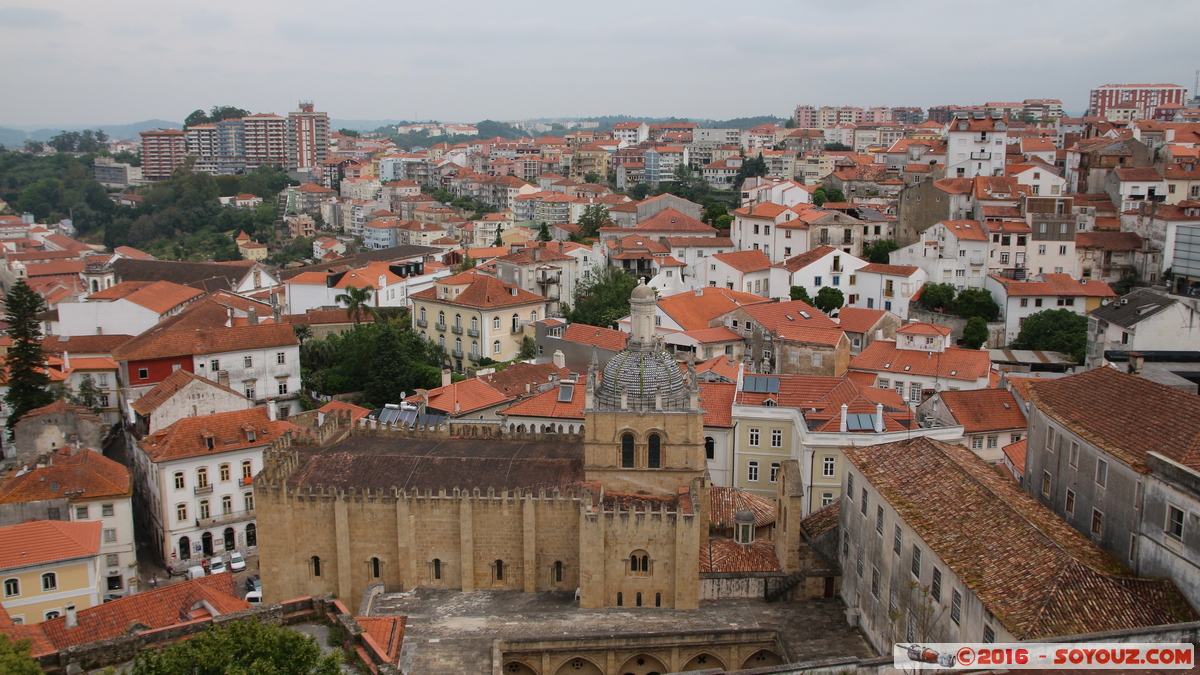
[[356, 300]]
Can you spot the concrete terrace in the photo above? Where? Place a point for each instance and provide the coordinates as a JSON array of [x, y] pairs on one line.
[[451, 631]]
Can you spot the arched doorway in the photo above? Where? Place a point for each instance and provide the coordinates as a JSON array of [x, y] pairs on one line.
[[703, 662], [251, 535], [642, 664], [206, 543], [185, 548], [578, 666], [761, 659], [518, 668], [229, 545]]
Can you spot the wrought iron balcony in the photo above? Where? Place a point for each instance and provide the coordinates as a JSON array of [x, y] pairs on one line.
[[204, 489], [473, 332], [226, 518], [456, 329], [422, 323]]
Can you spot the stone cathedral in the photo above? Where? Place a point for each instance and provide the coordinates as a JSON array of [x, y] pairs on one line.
[[619, 512]]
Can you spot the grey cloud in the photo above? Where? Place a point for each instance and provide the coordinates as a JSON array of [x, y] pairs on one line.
[[30, 17]]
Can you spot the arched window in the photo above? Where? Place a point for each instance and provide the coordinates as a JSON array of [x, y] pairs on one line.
[[202, 477], [316, 566], [180, 481], [251, 535], [710, 448], [458, 344], [638, 599], [474, 347], [516, 322], [639, 563], [442, 320], [248, 501], [658, 599], [633, 563], [422, 313], [437, 569], [533, 315], [496, 347], [224, 473], [558, 571], [226, 505], [442, 341], [654, 456], [12, 587], [627, 450], [204, 513], [495, 323], [458, 321], [645, 563], [185, 548], [374, 568], [247, 471], [49, 581], [499, 570], [475, 323]]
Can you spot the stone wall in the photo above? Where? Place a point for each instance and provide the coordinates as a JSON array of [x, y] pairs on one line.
[[956, 324]]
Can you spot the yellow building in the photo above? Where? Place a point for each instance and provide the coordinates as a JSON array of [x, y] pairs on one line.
[[250, 249], [473, 315], [49, 567]]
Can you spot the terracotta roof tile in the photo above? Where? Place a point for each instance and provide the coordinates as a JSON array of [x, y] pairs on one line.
[[228, 431], [387, 632], [482, 291], [547, 404], [604, 338], [87, 475], [893, 270], [982, 410], [745, 261], [44, 541], [822, 520], [721, 365], [728, 556], [711, 335], [693, 311], [670, 220], [716, 398], [170, 386], [356, 412], [799, 262], [1035, 573], [859, 319], [728, 501], [158, 343], [1015, 452], [1109, 241], [882, 356]]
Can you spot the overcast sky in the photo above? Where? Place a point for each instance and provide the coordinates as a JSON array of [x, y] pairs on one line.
[[122, 61]]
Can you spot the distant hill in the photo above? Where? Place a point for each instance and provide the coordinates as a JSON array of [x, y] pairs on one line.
[[360, 125], [16, 136], [12, 138]]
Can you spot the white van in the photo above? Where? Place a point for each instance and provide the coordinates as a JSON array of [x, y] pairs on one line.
[[254, 597], [195, 572]]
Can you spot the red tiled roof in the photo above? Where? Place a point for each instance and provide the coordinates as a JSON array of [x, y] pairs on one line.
[[859, 319], [822, 520], [745, 261], [229, 431], [693, 312], [386, 632], [983, 410], [157, 343], [171, 384], [86, 475], [38, 542], [716, 398], [604, 338], [785, 319], [58, 267], [462, 397], [970, 230], [546, 404], [727, 556], [670, 220], [1057, 284], [1109, 241], [710, 335], [152, 609], [921, 328], [893, 270], [157, 296], [356, 412], [1015, 452], [799, 262], [482, 291], [882, 356], [1142, 173], [522, 379], [1035, 573], [728, 501], [721, 365]]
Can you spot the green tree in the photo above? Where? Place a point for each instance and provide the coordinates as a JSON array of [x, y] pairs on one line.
[[594, 217], [88, 395], [27, 378], [239, 647], [602, 296], [499, 239], [1055, 330], [976, 302], [528, 348], [714, 210], [468, 263], [357, 301], [33, 146], [800, 293], [880, 251], [937, 296], [544, 233], [639, 192], [591, 177], [820, 196], [723, 222], [752, 167], [1125, 284], [15, 658], [348, 132], [303, 332], [829, 299], [838, 147], [975, 334], [835, 195], [790, 124]]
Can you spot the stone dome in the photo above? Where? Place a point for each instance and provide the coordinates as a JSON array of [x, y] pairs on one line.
[[744, 517], [642, 375], [642, 292]]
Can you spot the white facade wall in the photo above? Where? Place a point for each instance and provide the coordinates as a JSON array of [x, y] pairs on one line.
[[725, 276], [833, 269], [303, 297], [974, 153], [119, 317], [270, 373], [116, 539], [871, 291], [195, 399]]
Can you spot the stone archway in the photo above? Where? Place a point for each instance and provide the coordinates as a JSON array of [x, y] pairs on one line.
[[704, 661], [518, 668], [761, 659], [642, 664], [579, 666]]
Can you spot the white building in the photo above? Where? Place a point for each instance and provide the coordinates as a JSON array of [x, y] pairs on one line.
[[886, 287], [127, 308], [950, 252], [1144, 320], [822, 266], [920, 362], [976, 146], [1020, 299], [392, 283], [746, 271]]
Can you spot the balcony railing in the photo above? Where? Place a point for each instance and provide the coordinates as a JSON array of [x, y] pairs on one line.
[[422, 323], [473, 332], [226, 518], [439, 326], [474, 357], [981, 155], [456, 329], [204, 490], [549, 279], [456, 353]]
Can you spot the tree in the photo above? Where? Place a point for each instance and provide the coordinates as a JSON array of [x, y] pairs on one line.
[[33, 146], [348, 132], [640, 191], [1125, 284], [591, 177], [723, 222], [829, 299], [544, 233], [838, 147], [835, 195], [800, 293], [217, 114], [357, 301], [88, 395], [937, 296], [15, 658], [976, 302], [468, 263], [1055, 330], [602, 296], [499, 240], [594, 217], [790, 124], [880, 251], [751, 168], [528, 348], [27, 378], [975, 334], [714, 210], [820, 196], [239, 647], [303, 332]]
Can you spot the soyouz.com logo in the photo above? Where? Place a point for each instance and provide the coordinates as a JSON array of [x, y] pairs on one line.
[[1043, 655]]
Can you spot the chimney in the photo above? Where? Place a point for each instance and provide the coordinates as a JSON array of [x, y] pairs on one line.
[[560, 361], [72, 620], [252, 317], [1136, 359], [879, 418], [66, 361], [842, 426], [271, 409], [699, 292], [445, 377]]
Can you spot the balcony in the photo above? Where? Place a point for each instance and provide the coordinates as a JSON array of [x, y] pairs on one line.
[[473, 332], [456, 329], [981, 155], [549, 279], [517, 328], [421, 323], [456, 353], [439, 326], [474, 358], [976, 259], [203, 490], [226, 519]]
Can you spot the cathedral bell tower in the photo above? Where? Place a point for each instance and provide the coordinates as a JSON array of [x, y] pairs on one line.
[[644, 426]]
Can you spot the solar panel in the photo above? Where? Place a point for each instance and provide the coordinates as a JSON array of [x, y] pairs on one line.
[[860, 422], [805, 315], [565, 393], [758, 384]]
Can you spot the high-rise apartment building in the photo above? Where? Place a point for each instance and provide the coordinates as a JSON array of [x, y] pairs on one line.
[[163, 151], [265, 138], [1142, 97], [307, 137]]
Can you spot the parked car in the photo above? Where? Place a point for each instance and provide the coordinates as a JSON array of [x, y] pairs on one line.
[[253, 583], [236, 562], [195, 572], [216, 566], [254, 597]]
